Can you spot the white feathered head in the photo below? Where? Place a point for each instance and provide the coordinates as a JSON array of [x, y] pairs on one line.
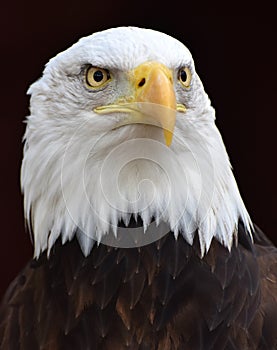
[[121, 126]]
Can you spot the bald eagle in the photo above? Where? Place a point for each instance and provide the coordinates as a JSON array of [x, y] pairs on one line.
[[141, 238]]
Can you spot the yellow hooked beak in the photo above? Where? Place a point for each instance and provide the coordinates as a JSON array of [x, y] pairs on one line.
[[155, 93], [153, 99]]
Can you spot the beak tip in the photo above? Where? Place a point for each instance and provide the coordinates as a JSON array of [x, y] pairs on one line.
[[168, 136]]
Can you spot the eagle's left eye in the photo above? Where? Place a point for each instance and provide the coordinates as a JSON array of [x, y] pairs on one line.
[[96, 77], [184, 76]]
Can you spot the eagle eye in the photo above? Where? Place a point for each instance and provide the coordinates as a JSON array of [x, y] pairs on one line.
[[97, 77], [184, 76]]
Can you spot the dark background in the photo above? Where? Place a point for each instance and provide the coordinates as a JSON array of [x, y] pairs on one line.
[[235, 56]]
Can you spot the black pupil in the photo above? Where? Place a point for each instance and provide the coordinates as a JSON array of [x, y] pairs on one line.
[[98, 76], [183, 75]]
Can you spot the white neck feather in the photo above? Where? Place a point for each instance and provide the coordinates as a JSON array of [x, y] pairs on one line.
[[89, 184]]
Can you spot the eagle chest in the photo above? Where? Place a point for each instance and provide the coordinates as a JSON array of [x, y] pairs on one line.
[[160, 296]]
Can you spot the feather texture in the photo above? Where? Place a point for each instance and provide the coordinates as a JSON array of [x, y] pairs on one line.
[[227, 300]]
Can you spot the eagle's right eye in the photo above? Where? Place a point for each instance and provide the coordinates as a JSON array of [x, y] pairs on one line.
[[97, 77]]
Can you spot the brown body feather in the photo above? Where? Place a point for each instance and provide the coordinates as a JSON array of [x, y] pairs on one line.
[[159, 297]]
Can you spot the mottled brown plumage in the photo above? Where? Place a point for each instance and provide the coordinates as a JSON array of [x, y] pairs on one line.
[[163, 296]]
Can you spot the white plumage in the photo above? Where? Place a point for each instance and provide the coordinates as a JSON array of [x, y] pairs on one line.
[[71, 183]]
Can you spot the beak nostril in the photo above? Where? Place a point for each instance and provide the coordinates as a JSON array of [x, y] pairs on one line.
[[142, 82]]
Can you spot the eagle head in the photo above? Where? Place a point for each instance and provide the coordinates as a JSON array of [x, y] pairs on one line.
[[120, 127]]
